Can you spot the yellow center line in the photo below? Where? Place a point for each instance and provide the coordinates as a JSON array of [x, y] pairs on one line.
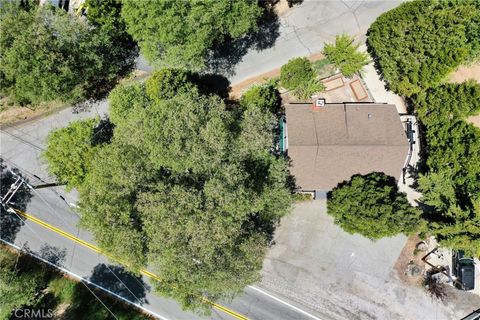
[[98, 250]]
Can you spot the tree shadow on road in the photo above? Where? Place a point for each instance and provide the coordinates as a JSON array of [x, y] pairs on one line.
[[53, 254], [120, 281], [223, 58], [10, 223]]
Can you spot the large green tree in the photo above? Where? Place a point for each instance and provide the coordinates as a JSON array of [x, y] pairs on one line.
[[188, 188], [452, 184], [345, 55], [115, 47], [70, 152], [48, 54], [372, 206], [180, 33], [418, 43]]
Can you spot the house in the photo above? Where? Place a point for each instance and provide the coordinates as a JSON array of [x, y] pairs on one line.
[[330, 143]]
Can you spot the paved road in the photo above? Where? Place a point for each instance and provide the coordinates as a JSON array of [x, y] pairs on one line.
[[302, 31], [21, 147]]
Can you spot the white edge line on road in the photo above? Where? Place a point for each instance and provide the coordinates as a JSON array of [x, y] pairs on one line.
[[285, 303], [84, 280]]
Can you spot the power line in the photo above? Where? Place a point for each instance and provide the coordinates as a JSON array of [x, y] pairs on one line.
[[22, 139], [11, 210], [66, 222]]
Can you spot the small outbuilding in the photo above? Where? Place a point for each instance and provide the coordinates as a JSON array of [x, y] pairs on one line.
[[328, 143]]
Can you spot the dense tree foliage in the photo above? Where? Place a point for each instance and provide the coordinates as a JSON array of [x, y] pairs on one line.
[[298, 76], [187, 187], [418, 43], [452, 184], [165, 83], [70, 152], [48, 54], [265, 96], [126, 100], [345, 55], [114, 45], [372, 206], [180, 33]]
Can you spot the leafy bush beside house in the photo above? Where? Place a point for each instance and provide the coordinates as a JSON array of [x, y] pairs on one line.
[[418, 43], [265, 96], [345, 55], [372, 206], [298, 76]]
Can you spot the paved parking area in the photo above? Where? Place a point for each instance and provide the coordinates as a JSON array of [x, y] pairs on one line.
[[315, 263]]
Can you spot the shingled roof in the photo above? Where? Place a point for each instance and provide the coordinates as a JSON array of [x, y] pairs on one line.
[[329, 145]]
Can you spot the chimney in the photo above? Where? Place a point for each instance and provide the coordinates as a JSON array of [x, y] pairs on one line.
[[318, 104]]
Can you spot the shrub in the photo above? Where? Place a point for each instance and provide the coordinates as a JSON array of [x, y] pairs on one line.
[[266, 96], [49, 55], [298, 76], [372, 206], [166, 83], [180, 33], [70, 152], [345, 55]]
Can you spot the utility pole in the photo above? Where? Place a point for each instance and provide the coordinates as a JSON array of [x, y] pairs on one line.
[[11, 192], [7, 198]]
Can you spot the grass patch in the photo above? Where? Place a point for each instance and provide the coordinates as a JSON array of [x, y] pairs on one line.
[[11, 112]]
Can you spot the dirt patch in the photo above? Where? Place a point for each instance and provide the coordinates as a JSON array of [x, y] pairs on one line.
[[282, 7], [333, 83], [408, 256], [239, 89], [14, 114], [475, 120], [358, 90], [17, 114], [464, 73]]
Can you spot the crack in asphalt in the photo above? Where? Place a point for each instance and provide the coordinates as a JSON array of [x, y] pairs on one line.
[[300, 40]]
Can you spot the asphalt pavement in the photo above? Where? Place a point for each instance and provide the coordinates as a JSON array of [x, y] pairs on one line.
[[302, 31]]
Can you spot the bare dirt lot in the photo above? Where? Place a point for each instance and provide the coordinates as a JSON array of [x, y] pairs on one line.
[[464, 73]]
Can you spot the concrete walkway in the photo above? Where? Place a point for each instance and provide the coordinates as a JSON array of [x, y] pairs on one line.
[[378, 91]]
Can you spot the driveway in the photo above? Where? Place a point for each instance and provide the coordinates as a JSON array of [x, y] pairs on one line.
[[316, 263]]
